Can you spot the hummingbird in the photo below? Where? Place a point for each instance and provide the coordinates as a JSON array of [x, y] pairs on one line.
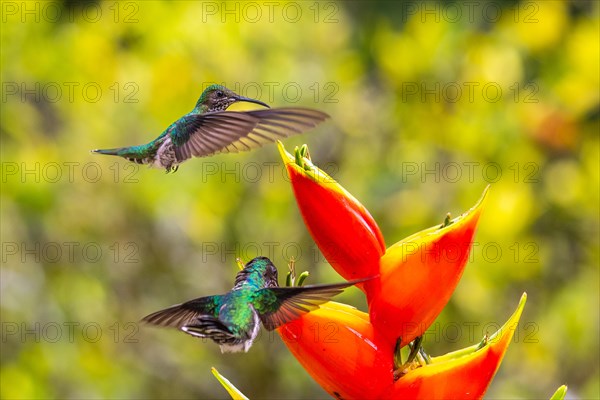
[[208, 129], [233, 319]]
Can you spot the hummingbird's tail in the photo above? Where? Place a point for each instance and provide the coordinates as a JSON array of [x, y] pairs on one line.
[[143, 154], [132, 153], [112, 152]]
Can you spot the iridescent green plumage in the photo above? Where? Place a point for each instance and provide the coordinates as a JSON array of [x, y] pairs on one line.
[[233, 319], [209, 129]]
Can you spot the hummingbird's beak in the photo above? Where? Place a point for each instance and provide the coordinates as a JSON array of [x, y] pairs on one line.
[[249, 100]]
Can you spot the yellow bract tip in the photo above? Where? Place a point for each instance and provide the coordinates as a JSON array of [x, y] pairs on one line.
[[285, 156], [511, 325]]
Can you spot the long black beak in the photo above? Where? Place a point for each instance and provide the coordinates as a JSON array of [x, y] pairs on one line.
[[249, 100]]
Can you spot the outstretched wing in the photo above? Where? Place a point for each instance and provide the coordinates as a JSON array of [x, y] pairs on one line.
[[278, 306], [197, 317], [201, 135]]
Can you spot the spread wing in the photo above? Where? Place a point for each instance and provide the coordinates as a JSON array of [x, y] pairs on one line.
[[201, 135], [278, 306], [197, 317]]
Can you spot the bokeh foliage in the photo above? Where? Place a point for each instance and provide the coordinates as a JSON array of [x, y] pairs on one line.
[[396, 79]]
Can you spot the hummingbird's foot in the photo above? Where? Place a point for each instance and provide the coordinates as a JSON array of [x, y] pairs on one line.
[[172, 168], [416, 358]]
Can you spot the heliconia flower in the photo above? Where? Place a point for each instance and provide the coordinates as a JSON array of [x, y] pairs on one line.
[[352, 354], [341, 227], [463, 374], [339, 348], [419, 274]]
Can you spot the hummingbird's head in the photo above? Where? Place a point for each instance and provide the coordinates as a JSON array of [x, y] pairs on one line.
[[219, 98], [259, 272]]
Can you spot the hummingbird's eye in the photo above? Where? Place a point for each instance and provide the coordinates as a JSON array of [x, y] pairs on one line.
[[220, 93]]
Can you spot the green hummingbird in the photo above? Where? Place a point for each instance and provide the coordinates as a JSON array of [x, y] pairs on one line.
[[209, 129], [232, 320]]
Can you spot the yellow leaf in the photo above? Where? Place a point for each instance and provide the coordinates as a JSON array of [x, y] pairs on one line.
[[232, 390]]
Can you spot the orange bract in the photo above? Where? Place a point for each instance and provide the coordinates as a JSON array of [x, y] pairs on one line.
[[418, 276]]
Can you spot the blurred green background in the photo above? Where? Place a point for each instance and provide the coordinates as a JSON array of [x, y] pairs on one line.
[[430, 102]]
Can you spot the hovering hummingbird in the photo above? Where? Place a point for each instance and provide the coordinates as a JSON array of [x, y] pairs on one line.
[[232, 320], [209, 129]]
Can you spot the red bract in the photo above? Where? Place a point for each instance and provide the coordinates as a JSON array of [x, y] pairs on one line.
[[341, 227], [419, 274]]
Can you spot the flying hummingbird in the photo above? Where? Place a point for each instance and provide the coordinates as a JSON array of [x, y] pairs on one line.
[[209, 129], [232, 320]]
